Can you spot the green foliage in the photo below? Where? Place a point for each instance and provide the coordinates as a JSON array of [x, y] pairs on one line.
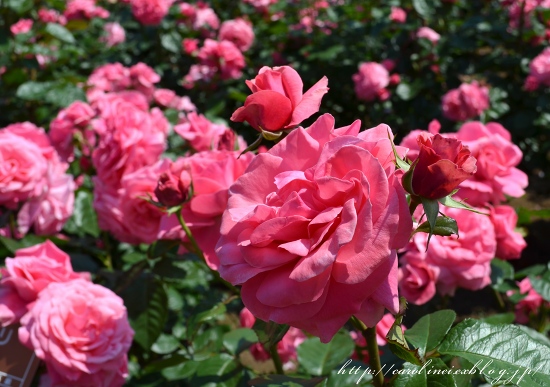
[[428, 332], [320, 359]]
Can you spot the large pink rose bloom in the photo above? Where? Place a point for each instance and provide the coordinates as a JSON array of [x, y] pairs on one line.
[[150, 12], [81, 331], [239, 32], [311, 229], [277, 101], [371, 81], [212, 173], [466, 102], [497, 158], [27, 274]]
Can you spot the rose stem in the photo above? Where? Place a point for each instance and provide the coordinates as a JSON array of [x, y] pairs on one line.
[[372, 347], [276, 359], [198, 251]]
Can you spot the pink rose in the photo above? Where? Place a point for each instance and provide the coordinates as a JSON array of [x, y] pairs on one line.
[[172, 188], [410, 141], [143, 79], [261, 5], [442, 164], [540, 68], [468, 101], [277, 101], [165, 97], [51, 16], [84, 9], [212, 173], [76, 117], [497, 158], [140, 219], [22, 169], [223, 57], [205, 17], [21, 27], [463, 261], [398, 15], [371, 81], [131, 138], [529, 305], [239, 32], [319, 215], [110, 77], [198, 72], [417, 279], [115, 34], [27, 274], [286, 347], [47, 214], [150, 12], [190, 46], [81, 331], [201, 134], [509, 242], [428, 33]]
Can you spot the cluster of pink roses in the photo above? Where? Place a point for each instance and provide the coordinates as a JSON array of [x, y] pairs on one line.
[[34, 185], [452, 262], [79, 329], [221, 58], [84, 9]]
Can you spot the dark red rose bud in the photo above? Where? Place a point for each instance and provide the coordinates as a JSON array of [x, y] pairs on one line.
[[227, 141], [442, 164], [172, 190]]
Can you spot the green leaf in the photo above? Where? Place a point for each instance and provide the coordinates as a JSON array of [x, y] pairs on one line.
[[180, 371], [428, 332], [64, 93], [444, 226], [60, 32], [495, 349], [283, 380], [426, 375], [33, 91], [238, 340], [423, 8], [175, 359], [13, 245], [210, 314], [147, 305], [165, 344], [221, 370], [541, 285], [84, 218], [320, 359], [171, 42], [19, 6], [402, 164], [407, 354], [501, 274], [431, 208], [448, 201], [537, 336], [269, 333], [502, 318]]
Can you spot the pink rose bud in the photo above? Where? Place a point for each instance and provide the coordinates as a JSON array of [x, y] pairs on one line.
[[227, 140], [442, 164], [277, 101], [172, 190]]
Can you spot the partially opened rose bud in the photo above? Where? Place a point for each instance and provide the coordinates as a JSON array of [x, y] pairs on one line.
[[277, 102], [442, 164], [227, 140], [172, 190]]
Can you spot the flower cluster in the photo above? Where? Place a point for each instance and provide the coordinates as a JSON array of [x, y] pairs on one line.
[[79, 329]]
